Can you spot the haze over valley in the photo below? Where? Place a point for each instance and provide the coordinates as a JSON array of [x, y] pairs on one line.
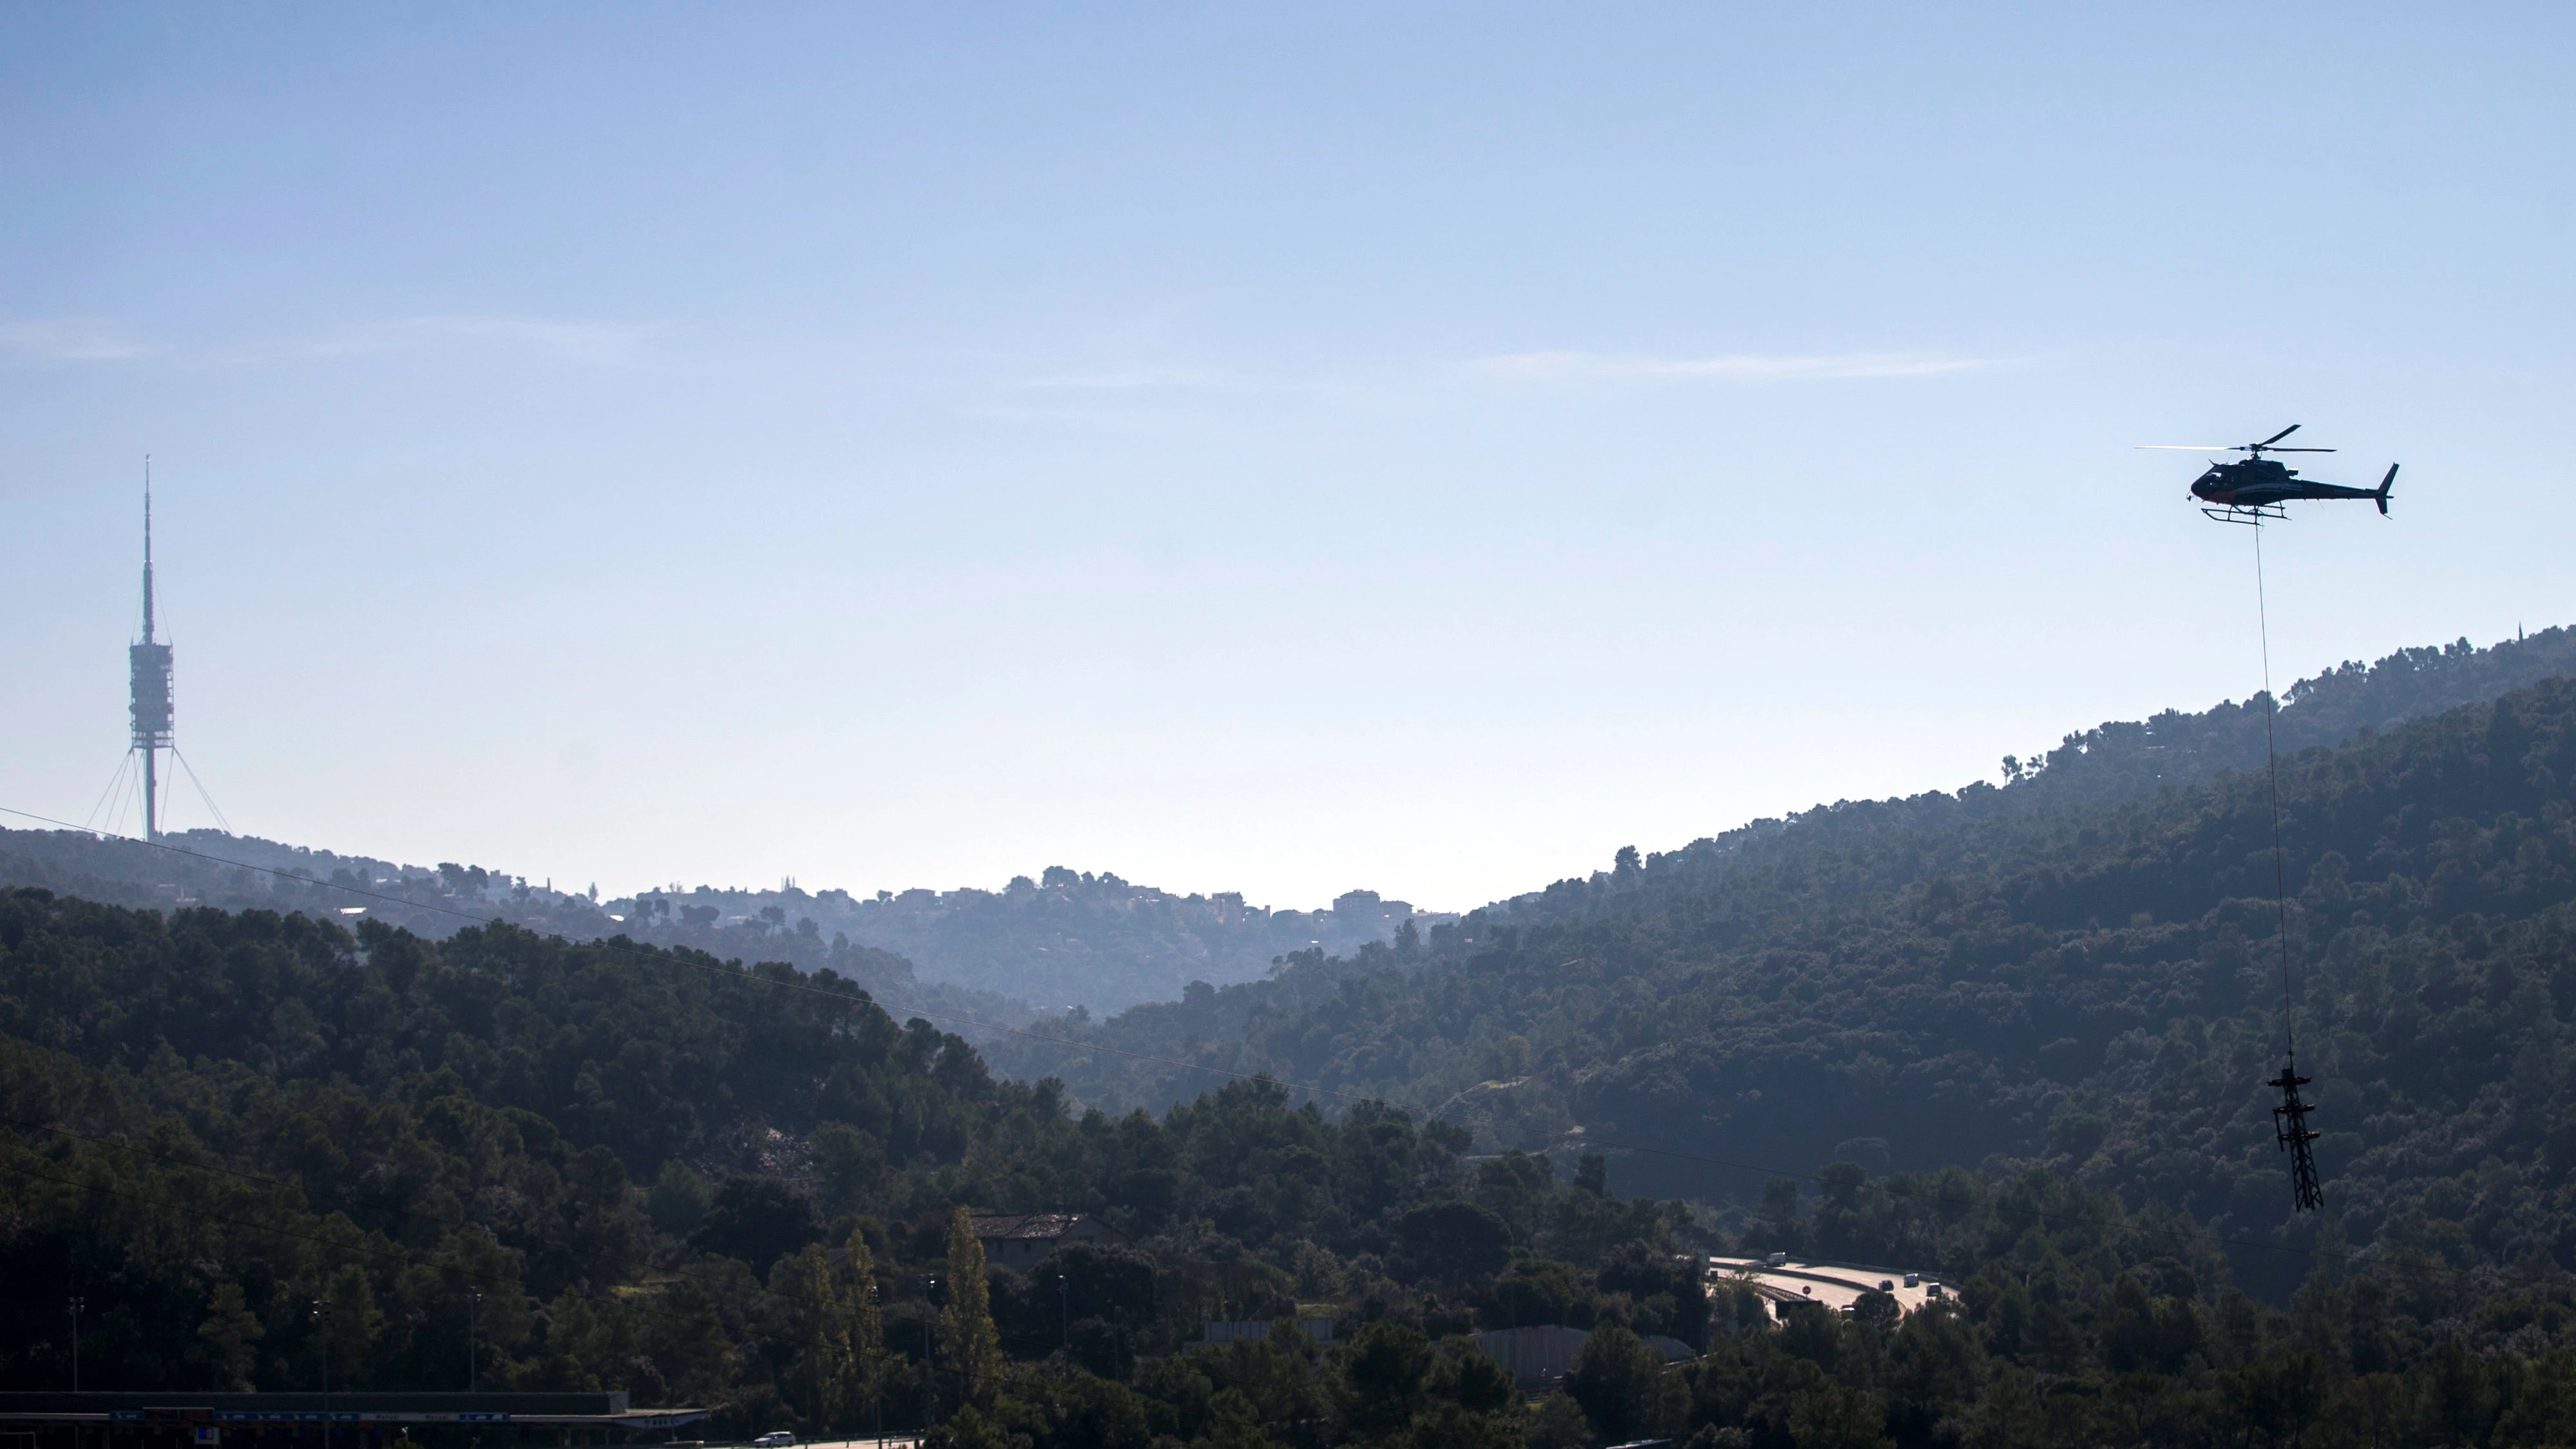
[[1073, 940]]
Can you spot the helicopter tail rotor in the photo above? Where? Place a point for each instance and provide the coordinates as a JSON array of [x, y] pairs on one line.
[[2381, 497]]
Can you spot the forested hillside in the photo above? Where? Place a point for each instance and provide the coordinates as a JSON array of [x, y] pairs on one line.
[[652, 1165], [1072, 940], [2131, 759], [2093, 987], [2013, 1040], [244, 873], [2112, 762], [2120, 759], [697, 1184], [1069, 939]]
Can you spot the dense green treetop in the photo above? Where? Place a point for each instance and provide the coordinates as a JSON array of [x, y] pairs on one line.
[[210, 1120]]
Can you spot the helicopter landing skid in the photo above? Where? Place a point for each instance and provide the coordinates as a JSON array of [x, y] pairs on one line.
[[2250, 516]]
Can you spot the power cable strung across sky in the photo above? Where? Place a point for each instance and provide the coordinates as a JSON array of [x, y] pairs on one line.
[[2250, 491], [2290, 1119]]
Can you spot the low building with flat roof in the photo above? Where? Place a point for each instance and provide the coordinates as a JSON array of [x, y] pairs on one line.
[[1783, 1281]]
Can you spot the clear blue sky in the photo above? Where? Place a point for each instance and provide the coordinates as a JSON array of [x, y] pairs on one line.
[[1269, 448]]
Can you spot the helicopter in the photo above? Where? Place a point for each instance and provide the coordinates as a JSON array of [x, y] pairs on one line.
[[2253, 488]]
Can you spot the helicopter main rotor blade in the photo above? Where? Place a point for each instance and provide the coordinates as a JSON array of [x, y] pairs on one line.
[[2226, 448], [2276, 437]]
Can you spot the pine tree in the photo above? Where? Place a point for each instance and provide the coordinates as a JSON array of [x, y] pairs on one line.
[[867, 1323], [820, 1381], [839, 1364], [229, 1332], [354, 1322], [968, 1342]]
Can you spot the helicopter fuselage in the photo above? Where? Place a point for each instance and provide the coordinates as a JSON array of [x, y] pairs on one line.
[[2260, 482], [2253, 488]]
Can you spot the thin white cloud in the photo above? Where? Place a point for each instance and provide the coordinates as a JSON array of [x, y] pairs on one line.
[[1731, 367], [600, 344], [1145, 379], [68, 339], [84, 339]]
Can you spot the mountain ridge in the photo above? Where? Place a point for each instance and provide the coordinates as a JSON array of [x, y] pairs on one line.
[[1073, 944], [2111, 761], [2090, 987], [1117, 942]]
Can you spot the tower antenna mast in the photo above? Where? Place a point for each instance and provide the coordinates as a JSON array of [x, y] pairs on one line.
[[150, 665]]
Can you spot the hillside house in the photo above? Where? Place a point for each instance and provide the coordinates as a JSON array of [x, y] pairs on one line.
[[1018, 1240]]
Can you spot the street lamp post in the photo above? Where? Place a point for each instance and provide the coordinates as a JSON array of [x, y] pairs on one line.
[[929, 1364], [77, 1304], [322, 1315], [1064, 1313], [473, 1299]]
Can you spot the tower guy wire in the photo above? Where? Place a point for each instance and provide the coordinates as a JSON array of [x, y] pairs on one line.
[[111, 796], [226, 826], [2290, 1128]]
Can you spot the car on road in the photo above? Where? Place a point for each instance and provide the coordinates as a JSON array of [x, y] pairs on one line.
[[775, 1439]]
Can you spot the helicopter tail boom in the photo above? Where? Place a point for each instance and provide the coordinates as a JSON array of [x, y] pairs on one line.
[[2386, 483]]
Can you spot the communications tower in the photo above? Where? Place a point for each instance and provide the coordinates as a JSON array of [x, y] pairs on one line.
[[150, 661]]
